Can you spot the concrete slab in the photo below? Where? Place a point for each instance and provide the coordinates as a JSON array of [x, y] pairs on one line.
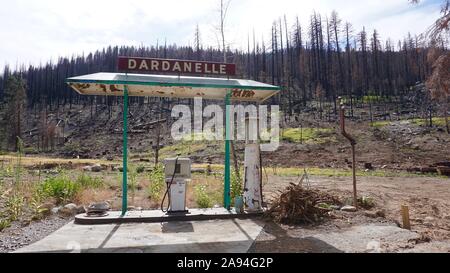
[[214, 236], [157, 216], [369, 238]]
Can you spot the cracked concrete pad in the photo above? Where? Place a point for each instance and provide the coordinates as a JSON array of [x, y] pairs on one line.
[[369, 238], [227, 236]]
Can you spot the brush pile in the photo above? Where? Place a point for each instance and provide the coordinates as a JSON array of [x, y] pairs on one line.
[[300, 205]]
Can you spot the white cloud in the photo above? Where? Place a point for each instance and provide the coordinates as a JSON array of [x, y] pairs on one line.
[[34, 31]]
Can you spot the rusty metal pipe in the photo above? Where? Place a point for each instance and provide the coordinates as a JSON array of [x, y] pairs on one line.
[[353, 144]]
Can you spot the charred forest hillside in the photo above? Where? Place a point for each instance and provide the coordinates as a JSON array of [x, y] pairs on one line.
[[314, 64]]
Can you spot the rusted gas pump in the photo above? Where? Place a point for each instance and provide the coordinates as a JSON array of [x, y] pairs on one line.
[[353, 144]]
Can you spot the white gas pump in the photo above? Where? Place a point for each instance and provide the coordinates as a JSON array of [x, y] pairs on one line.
[[178, 174], [252, 168]]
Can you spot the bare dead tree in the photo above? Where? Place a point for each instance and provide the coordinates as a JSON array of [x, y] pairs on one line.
[[224, 5], [439, 81], [439, 85]]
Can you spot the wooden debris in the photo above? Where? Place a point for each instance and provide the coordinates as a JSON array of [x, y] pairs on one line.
[[298, 205]]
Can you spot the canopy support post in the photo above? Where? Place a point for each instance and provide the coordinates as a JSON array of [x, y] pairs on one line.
[[125, 152], [227, 171]]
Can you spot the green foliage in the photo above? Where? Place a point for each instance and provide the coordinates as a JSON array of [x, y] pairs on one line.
[[436, 121], [132, 178], [7, 170], [30, 150], [366, 202], [185, 146], [18, 170], [87, 181], [419, 121], [236, 186], [14, 206], [333, 172], [61, 188], [35, 205], [4, 223], [380, 124], [157, 183], [202, 198], [371, 98], [297, 135], [72, 147], [140, 169]]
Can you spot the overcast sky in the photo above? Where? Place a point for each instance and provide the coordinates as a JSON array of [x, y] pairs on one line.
[[35, 31]]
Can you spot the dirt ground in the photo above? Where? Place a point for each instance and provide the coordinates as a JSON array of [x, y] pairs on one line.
[[400, 145], [428, 199]]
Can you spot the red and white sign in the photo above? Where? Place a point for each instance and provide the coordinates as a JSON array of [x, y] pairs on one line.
[[131, 64]]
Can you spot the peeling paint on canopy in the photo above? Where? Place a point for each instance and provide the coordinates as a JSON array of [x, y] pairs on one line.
[[112, 84]]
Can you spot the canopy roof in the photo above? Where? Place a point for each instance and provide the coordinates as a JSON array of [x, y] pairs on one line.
[[172, 86]]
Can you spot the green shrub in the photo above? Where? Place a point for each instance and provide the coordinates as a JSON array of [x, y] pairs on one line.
[[37, 210], [7, 171], [35, 204], [436, 121], [14, 206], [132, 177], [236, 186], [380, 124], [61, 188], [87, 181], [157, 182], [366, 202], [298, 135], [4, 223], [202, 198], [140, 169], [30, 150]]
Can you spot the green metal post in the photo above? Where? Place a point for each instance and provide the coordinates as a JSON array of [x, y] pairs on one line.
[[125, 152], [227, 176]]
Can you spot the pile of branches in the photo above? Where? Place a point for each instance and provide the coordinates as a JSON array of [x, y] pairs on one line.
[[300, 205]]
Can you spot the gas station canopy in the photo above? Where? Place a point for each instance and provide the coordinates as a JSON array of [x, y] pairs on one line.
[[148, 85], [172, 86]]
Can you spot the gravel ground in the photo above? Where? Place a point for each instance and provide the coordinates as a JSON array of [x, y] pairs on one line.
[[18, 236]]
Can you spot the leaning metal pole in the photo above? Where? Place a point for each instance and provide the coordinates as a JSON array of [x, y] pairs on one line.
[[353, 143]]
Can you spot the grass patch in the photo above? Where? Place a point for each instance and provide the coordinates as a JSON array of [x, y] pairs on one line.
[[202, 198], [14, 206], [4, 223], [329, 172], [87, 181], [236, 186], [157, 183], [183, 148], [32, 161], [61, 188], [380, 124], [194, 144], [418, 121], [423, 122], [207, 191], [317, 135]]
